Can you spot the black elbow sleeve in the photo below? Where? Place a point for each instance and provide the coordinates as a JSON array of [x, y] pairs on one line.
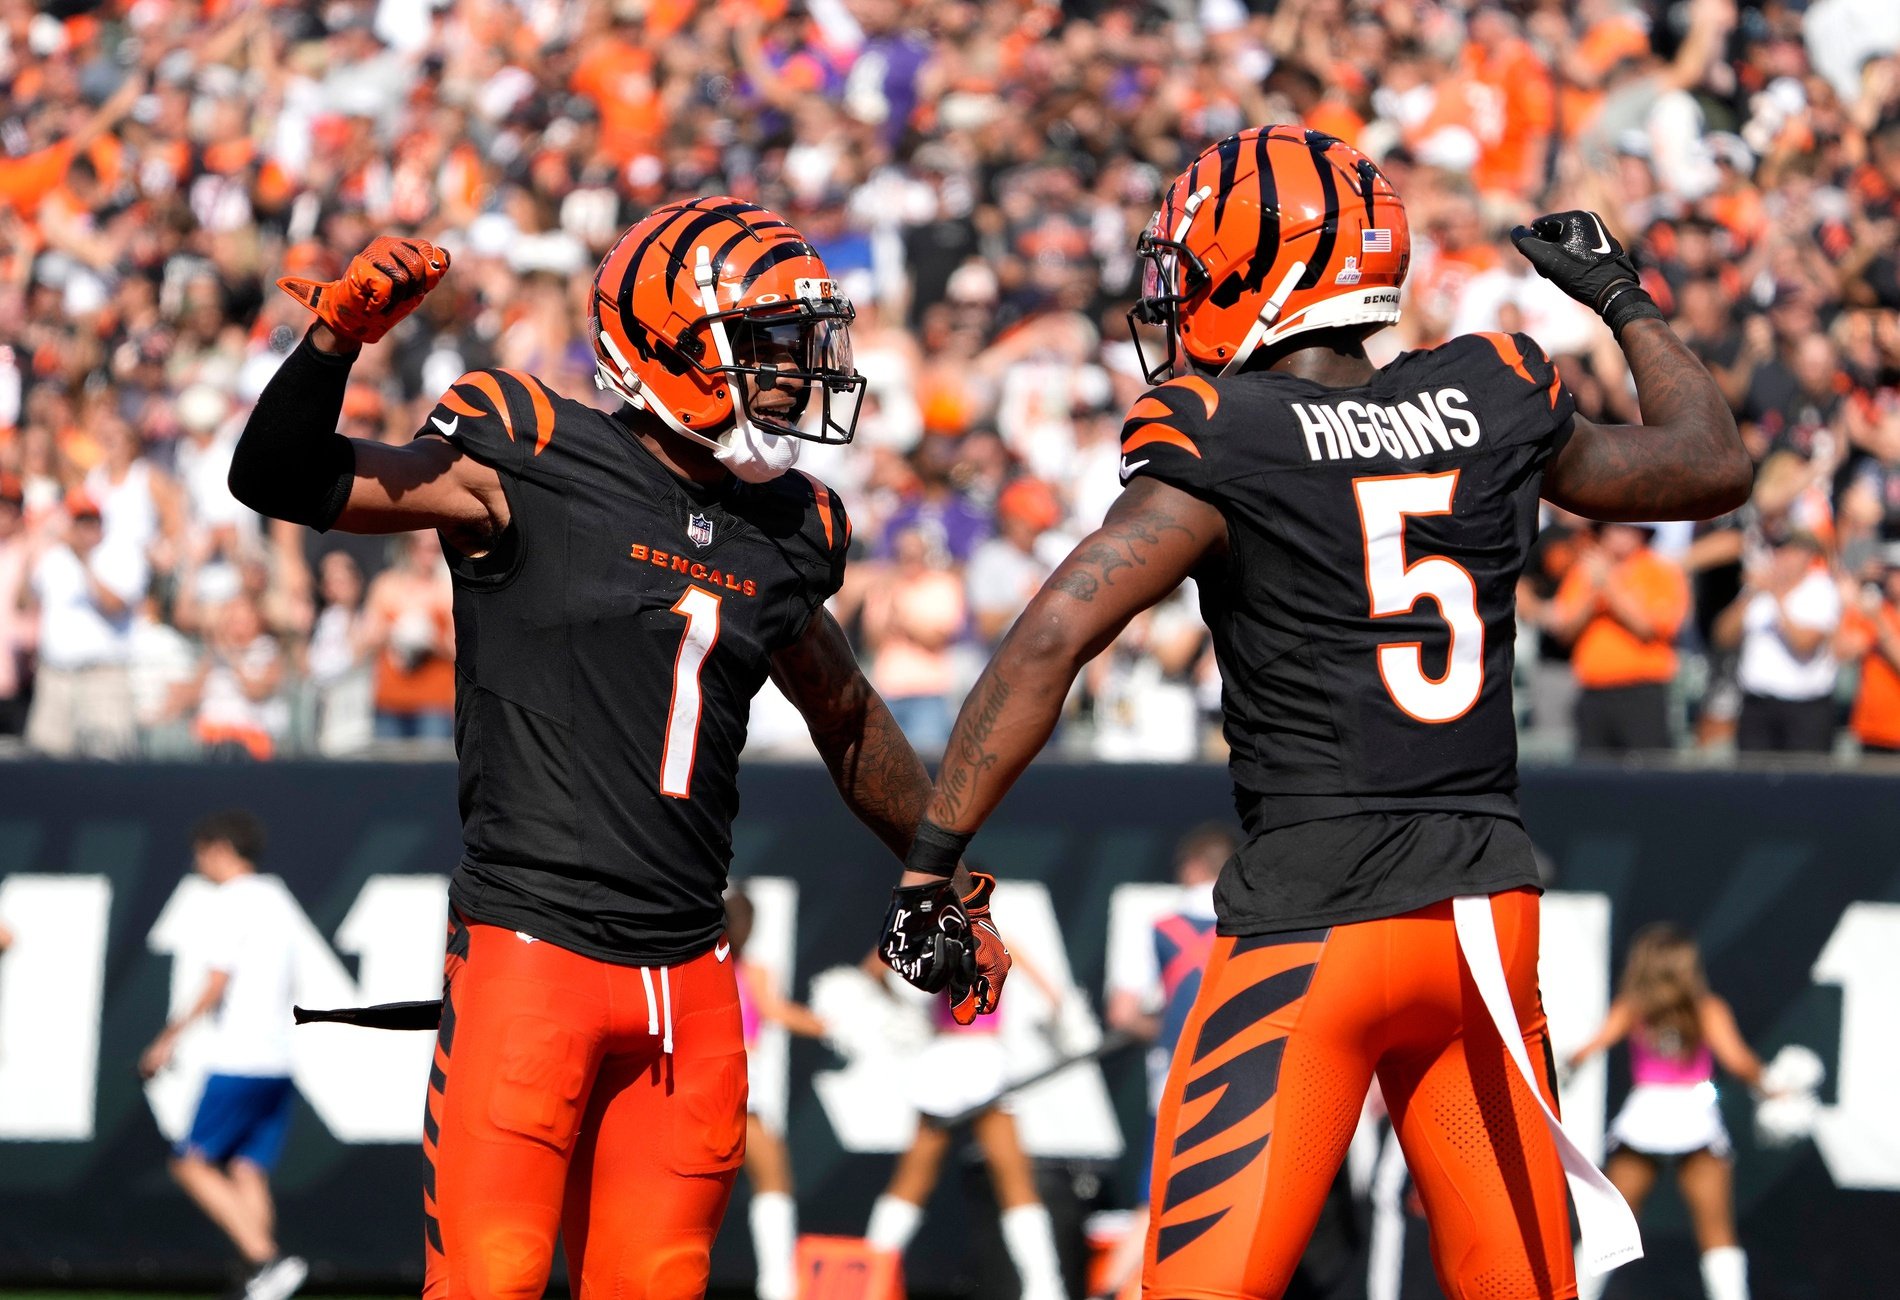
[[291, 463]]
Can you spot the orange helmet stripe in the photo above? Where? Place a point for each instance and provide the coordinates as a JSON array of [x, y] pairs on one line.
[[1148, 433]]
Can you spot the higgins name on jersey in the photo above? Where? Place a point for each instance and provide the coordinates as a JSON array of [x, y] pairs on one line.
[[1365, 615]]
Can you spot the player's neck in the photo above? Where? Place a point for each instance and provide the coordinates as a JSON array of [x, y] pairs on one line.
[[679, 455], [1334, 362]]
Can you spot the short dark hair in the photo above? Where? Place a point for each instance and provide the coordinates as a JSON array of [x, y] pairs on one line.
[[242, 831]]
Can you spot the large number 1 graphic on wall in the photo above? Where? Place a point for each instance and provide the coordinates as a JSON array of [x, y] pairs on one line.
[[700, 609], [1395, 587]]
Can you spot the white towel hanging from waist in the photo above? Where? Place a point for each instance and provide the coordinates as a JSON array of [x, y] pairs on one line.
[[1610, 1235]]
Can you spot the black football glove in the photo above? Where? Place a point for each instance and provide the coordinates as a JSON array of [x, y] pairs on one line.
[[1576, 252], [976, 986], [927, 936]]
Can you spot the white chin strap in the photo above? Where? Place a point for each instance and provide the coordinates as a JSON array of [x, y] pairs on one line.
[[1269, 313], [751, 453]]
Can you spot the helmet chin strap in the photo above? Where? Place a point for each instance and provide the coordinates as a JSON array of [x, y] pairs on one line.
[[751, 453], [1269, 313]]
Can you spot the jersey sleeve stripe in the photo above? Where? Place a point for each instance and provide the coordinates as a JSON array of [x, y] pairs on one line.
[[1150, 408], [1201, 389], [543, 407], [821, 498], [455, 402], [1152, 433], [489, 386], [1507, 353]]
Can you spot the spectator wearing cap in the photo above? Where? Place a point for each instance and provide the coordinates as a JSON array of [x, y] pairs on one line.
[[1870, 636], [16, 564], [86, 591], [1784, 623], [1007, 569], [1619, 609]]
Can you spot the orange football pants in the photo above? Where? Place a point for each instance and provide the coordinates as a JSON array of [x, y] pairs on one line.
[[1269, 1079], [554, 1107]]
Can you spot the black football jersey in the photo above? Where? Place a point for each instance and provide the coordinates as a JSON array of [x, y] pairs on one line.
[[607, 653], [1365, 617]]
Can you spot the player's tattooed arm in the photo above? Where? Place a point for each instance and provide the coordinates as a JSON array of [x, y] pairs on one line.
[[1154, 537], [1685, 461], [880, 776]]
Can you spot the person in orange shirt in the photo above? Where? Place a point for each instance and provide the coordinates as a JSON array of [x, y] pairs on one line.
[[410, 626], [1620, 607], [1871, 634]]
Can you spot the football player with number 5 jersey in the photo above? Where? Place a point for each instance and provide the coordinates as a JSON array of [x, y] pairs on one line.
[[1356, 534], [624, 585]]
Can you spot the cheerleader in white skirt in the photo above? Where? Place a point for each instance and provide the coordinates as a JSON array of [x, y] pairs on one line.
[[1678, 1032]]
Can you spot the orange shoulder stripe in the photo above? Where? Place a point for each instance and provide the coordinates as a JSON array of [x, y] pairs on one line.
[[491, 387], [543, 407], [455, 402], [1150, 408], [821, 497], [1201, 389], [1507, 353], [1148, 433]]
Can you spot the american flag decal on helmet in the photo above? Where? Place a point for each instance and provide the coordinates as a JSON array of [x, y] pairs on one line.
[[1375, 240], [699, 530]]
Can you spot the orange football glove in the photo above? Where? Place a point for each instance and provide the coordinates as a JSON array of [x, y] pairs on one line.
[[977, 988], [381, 285]]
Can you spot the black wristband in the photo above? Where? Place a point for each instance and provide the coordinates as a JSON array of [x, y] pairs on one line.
[[1626, 302], [936, 851]]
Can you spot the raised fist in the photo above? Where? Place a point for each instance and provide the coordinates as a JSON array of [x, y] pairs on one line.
[[381, 285]]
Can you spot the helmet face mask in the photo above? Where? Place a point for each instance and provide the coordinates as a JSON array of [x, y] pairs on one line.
[[786, 351], [1171, 273]]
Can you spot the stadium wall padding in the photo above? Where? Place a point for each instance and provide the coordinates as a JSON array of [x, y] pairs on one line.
[[1791, 882]]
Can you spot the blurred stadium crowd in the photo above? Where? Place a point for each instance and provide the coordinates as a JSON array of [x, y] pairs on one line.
[[976, 173]]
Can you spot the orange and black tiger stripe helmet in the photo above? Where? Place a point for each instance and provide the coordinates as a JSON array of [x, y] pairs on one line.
[[703, 304], [1270, 233]]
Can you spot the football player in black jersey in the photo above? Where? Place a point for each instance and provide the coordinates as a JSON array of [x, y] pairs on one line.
[[1356, 534], [624, 585]]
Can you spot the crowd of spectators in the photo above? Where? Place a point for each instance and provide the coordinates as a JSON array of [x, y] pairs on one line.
[[975, 172]]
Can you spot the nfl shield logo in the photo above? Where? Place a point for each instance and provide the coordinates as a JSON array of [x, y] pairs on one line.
[[699, 530]]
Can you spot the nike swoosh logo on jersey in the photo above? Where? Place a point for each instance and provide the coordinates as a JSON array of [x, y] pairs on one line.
[[1129, 467], [1603, 236], [447, 426]]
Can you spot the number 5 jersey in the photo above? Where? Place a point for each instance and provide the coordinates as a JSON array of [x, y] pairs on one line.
[[1364, 618], [607, 653]]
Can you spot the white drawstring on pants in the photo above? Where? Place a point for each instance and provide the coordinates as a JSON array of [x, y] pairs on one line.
[[660, 1009], [1609, 1232]]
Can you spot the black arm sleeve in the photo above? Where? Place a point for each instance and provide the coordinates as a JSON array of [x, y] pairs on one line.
[[291, 462]]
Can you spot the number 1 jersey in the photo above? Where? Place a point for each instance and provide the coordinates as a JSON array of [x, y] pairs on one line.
[[1365, 617], [607, 653]]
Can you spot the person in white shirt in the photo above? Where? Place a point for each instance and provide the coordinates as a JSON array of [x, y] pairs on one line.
[[1784, 621], [238, 1132], [87, 591]]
